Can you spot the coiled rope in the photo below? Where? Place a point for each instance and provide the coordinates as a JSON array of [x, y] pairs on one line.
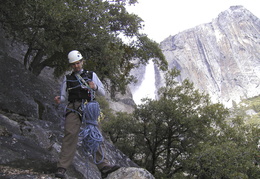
[[90, 135]]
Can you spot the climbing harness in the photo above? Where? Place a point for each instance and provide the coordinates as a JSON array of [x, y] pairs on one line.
[[90, 136]]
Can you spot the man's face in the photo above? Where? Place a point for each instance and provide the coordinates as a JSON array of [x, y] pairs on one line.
[[77, 66]]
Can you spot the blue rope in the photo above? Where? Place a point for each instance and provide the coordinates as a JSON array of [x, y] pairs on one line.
[[84, 85], [91, 135]]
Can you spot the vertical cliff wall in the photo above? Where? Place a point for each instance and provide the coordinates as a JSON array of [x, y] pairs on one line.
[[221, 58]]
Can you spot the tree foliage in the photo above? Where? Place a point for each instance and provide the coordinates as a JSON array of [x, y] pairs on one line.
[[183, 132], [229, 152], [51, 29]]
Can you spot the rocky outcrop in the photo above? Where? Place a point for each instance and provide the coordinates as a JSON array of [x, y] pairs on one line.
[[131, 173], [122, 102], [221, 58]]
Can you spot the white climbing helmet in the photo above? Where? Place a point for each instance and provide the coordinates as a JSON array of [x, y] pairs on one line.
[[74, 56]]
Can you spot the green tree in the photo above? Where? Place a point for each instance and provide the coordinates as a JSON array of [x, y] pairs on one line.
[[115, 127], [183, 132], [173, 126], [231, 152], [51, 29]]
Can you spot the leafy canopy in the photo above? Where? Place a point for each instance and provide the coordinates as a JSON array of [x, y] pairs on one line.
[[97, 28], [183, 132]]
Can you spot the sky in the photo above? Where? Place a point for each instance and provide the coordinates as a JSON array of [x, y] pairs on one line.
[[163, 18]]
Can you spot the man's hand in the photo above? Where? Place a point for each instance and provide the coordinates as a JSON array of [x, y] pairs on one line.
[[57, 99], [92, 85]]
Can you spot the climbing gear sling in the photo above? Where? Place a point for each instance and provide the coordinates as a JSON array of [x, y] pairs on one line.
[[91, 135], [89, 112]]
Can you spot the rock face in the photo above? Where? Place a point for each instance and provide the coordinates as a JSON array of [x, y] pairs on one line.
[[131, 173], [122, 103], [221, 58]]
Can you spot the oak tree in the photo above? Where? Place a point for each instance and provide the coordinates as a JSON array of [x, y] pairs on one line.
[[97, 28]]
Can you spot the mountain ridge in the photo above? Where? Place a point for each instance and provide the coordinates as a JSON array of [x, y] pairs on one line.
[[221, 58]]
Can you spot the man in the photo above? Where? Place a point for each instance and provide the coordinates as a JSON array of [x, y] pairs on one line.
[[75, 89]]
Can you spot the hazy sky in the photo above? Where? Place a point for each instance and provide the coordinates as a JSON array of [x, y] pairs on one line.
[[163, 18]]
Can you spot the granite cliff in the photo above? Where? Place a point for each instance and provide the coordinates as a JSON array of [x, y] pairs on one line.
[[221, 58]]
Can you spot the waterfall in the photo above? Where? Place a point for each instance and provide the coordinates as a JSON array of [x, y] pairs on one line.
[[147, 87]]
